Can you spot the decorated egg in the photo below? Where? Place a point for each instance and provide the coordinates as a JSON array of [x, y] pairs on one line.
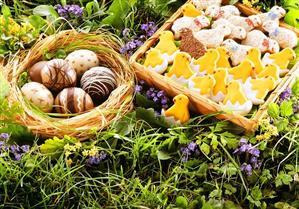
[[82, 60], [73, 100], [98, 82], [35, 71], [39, 95], [58, 74]]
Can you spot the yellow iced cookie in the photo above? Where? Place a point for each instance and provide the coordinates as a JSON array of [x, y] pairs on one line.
[[203, 85], [282, 58], [206, 64], [189, 10], [155, 62], [257, 89], [223, 58], [235, 99], [242, 72], [254, 55], [270, 70], [219, 90], [167, 46], [178, 112], [180, 71]]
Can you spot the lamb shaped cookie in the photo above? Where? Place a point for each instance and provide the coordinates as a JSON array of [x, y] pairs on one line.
[[212, 38], [248, 23], [235, 99], [154, 61], [274, 14], [195, 24], [180, 71], [237, 31], [257, 38], [202, 85], [191, 45], [167, 46], [207, 63], [237, 51], [204, 4], [256, 90], [217, 12], [285, 37]]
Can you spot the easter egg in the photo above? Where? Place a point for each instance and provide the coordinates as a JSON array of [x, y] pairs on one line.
[[58, 74], [39, 95], [73, 100], [35, 71], [98, 82], [82, 60]]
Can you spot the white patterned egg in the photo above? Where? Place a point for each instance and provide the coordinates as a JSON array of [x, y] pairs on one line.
[[39, 95], [82, 60], [99, 82]]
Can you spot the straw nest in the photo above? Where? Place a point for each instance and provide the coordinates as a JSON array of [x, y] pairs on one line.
[[81, 126]]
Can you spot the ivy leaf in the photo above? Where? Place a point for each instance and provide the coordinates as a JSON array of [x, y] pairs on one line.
[[283, 179], [286, 108], [149, 116], [4, 87], [163, 155], [273, 110], [205, 148]]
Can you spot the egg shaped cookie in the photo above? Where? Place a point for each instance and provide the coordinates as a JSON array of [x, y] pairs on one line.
[[98, 82], [73, 100], [82, 60], [58, 74], [39, 95], [35, 71]]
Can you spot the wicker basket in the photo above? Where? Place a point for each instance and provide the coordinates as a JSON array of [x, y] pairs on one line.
[[202, 104], [119, 102]]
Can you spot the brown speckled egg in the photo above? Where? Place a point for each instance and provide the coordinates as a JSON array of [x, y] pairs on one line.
[[35, 71], [73, 100], [58, 74], [98, 82], [82, 60], [39, 95]]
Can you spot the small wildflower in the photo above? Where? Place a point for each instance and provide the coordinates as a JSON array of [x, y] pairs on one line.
[[69, 162], [92, 152], [25, 148], [67, 153], [247, 168], [17, 156], [78, 145], [138, 88], [126, 32], [4, 136], [191, 149], [85, 153]]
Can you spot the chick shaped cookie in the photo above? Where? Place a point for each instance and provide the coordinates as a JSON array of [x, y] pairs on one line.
[[219, 90], [202, 85], [235, 99], [242, 72], [189, 10], [167, 46], [154, 61], [270, 70], [178, 113], [256, 90], [207, 63], [224, 55], [282, 59], [180, 71], [255, 56]]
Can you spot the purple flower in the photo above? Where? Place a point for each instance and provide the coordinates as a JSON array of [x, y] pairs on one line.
[[96, 160], [254, 151], [285, 95], [25, 148], [191, 149], [150, 28], [247, 168], [243, 141], [138, 88], [164, 101], [155, 99], [125, 32], [17, 156], [69, 11], [160, 94], [14, 148], [192, 146], [4, 136]]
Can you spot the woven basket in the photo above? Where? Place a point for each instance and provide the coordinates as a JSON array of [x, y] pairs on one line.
[[105, 45], [202, 104]]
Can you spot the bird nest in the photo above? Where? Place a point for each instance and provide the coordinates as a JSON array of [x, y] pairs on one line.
[[106, 46]]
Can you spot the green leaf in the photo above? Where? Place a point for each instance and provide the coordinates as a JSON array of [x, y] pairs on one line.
[[286, 108], [205, 148], [295, 88], [88, 8], [282, 124], [37, 22], [163, 155], [273, 110], [229, 189], [54, 147], [283, 205], [45, 10], [214, 143], [5, 11], [283, 179], [142, 101], [181, 202], [4, 87], [149, 116]]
